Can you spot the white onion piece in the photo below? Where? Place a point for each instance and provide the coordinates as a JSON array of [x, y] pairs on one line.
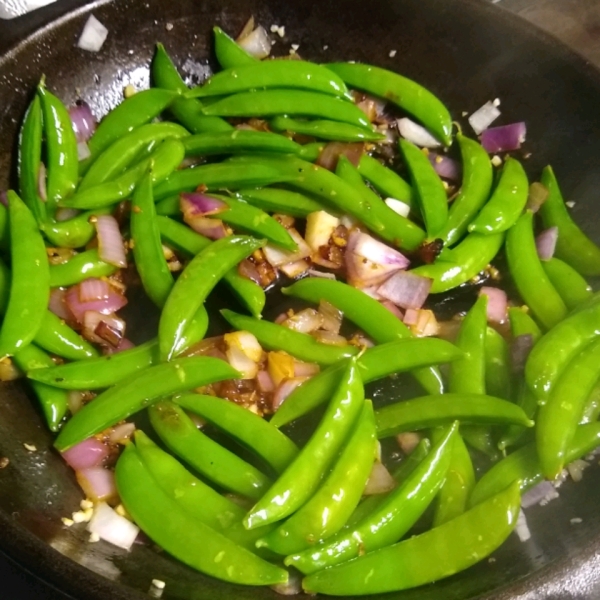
[[280, 366], [110, 242], [399, 207], [405, 289], [121, 433], [304, 369], [111, 527], [89, 453], [537, 493], [243, 353], [408, 441], [74, 401], [83, 151], [417, 134], [97, 483], [295, 269], [483, 117], [320, 226], [284, 389], [264, 382], [521, 527], [331, 316], [103, 329], [545, 243], [277, 257], [257, 43], [328, 337], [321, 274], [576, 469], [380, 480], [304, 321], [93, 35], [426, 324], [497, 305]]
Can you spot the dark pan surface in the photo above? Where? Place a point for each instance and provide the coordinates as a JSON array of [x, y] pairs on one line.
[[467, 53]]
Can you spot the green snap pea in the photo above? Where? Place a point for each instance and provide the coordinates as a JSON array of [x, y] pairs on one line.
[[195, 283], [333, 502], [465, 261], [302, 346], [194, 332], [56, 337], [326, 130], [79, 267], [524, 466], [260, 436], [521, 323], [389, 520], [99, 371], [507, 202], [207, 457], [376, 363], [269, 103], [296, 485], [29, 287], [529, 275], [498, 374], [429, 190], [387, 182], [310, 152], [570, 285], [557, 420], [400, 91], [428, 557], [73, 233], [228, 52], [280, 201], [187, 539], [474, 191], [30, 159], [573, 246], [367, 314], [186, 110], [139, 390]]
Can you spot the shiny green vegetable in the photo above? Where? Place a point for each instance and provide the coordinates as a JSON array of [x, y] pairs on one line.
[[326, 130], [570, 285], [79, 267]]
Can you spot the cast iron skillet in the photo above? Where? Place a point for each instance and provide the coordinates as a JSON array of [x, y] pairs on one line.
[[464, 51]]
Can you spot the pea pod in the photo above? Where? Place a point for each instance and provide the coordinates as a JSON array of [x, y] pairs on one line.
[[260, 436], [186, 538], [326, 130], [73, 233], [139, 390], [311, 151], [570, 285], [521, 323], [302, 477], [228, 52], [497, 369], [79, 267], [56, 337], [428, 557], [207, 457], [388, 521], [280, 201], [387, 182]]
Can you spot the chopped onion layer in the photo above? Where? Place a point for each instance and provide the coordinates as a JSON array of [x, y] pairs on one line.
[[505, 138], [405, 289], [93, 35], [257, 43], [417, 134], [497, 304], [110, 242], [545, 243], [112, 527], [86, 454], [483, 117]]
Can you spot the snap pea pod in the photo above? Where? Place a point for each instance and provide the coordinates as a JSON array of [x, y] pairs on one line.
[[521, 323], [570, 285], [292, 75], [194, 332], [367, 314], [187, 539], [376, 363], [79, 267], [269, 103], [61, 149], [4, 229], [302, 477], [465, 261], [194, 496], [73, 233], [524, 466], [29, 286], [186, 110], [387, 182], [428, 187], [228, 52], [389, 520], [139, 109], [335, 499], [53, 401], [99, 371], [428, 557], [250, 294], [280, 201], [123, 153], [138, 391], [303, 346], [558, 418], [262, 438], [310, 152], [221, 466], [474, 191], [30, 159], [326, 130], [573, 246], [497, 369], [404, 93]]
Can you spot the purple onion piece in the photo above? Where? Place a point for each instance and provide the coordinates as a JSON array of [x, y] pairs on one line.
[[196, 204], [84, 123], [545, 243], [405, 289], [504, 138], [445, 166], [519, 351]]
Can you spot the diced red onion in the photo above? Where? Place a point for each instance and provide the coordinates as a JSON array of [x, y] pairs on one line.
[[64, 214], [110, 242], [304, 369], [445, 166], [4, 198], [295, 269], [106, 306], [257, 43], [103, 329], [497, 304], [84, 123], [277, 257], [196, 204], [519, 351], [213, 229], [380, 480], [110, 526], [521, 527], [536, 494], [538, 194], [243, 353], [42, 185], [331, 317], [483, 117], [545, 243], [93, 289], [411, 316], [393, 309], [378, 252], [264, 382], [417, 134], [86, 454], [328, 337], [405, 289], [304, 321], [321, 274], [329, 156], [56, 304], [121, 433], [370, 290], [93, 35], [97, 483], [248, 270], [284, 389], [505, 138], [399, 207]]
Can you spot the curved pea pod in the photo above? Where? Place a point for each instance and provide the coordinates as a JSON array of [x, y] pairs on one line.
[[282, 201], [434, 555], [311, 151], [376, 363], [302, 477], [207, 457], [389, 520], [524, 466], [521, 323], [464, 261], [194, 331], [573, 246], [498, 374], [387, 182], [254, 432], [570, 285], [303, 346], [55, 336], [81, 266], [333, 502], [97, 372], [326, 130], [73, 233], [404, 93], [138, 391], [229, 53], [195, 283], [187, 539]]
